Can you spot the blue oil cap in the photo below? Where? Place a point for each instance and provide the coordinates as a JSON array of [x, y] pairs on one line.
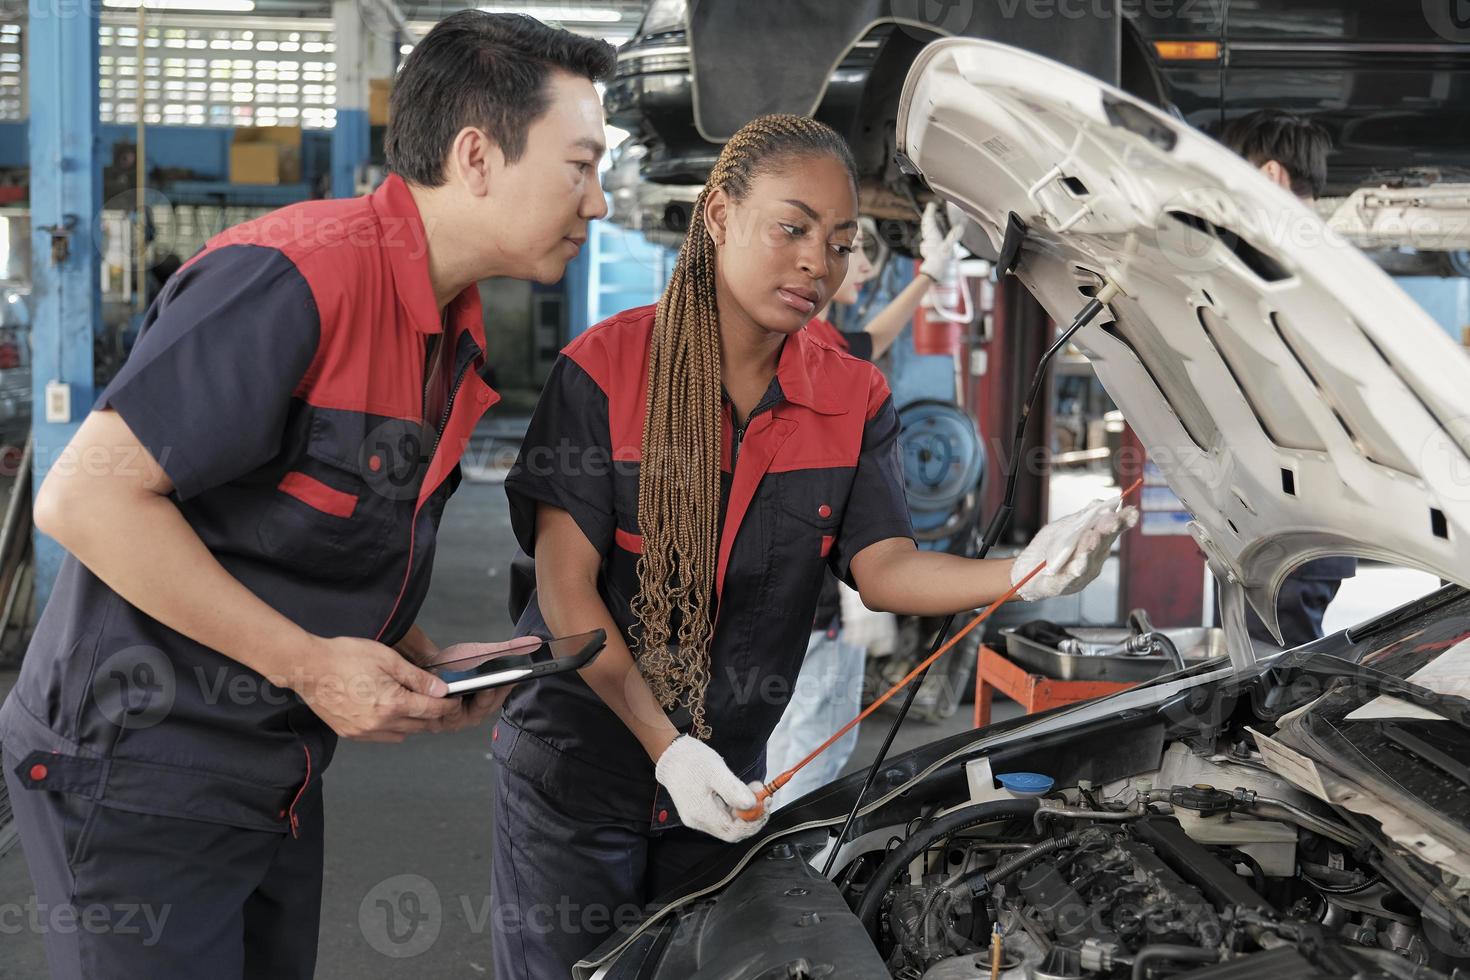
[[1026, 783]]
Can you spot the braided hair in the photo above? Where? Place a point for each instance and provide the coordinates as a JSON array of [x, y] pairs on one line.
[[679, 479]]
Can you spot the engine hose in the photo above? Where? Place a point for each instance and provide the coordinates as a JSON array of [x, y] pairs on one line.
[[1167, 953], [1171, 650], [903, 855], [1258, 874], [1001, 871], [1011, 865], [1100, 816], [1346, 836]]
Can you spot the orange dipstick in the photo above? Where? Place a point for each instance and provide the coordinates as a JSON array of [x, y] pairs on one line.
[[769, 789]]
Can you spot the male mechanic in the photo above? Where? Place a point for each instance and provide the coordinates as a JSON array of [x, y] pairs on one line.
[[277, 452], [1292, 151]]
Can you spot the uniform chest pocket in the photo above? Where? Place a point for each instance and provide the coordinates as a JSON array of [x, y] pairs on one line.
[[808, 521], [329, 516]]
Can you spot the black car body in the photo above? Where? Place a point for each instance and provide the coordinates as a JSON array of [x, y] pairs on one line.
[[1389, 80]]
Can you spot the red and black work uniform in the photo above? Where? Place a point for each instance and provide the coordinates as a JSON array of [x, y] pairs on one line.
[[810, 479], [283, 381], [858, 343]]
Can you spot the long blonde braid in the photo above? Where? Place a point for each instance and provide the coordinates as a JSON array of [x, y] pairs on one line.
[[679, 481]]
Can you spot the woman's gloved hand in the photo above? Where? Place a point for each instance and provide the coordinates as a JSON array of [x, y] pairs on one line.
[[705, 792], [936, 248], [1074, 549]]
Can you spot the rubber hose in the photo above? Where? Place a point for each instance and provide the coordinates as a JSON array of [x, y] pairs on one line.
[[1011, 865], [1007, 867], [901, 856], [1177, 954]]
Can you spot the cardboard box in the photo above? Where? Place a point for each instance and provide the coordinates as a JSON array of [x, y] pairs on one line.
[[285, 135], [380, 91], [266, 155]]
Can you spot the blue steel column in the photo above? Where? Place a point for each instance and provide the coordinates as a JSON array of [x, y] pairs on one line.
[[350, 137], [66, 195]]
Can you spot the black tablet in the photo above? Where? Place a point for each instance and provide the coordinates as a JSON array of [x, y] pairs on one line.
[[476, 673]]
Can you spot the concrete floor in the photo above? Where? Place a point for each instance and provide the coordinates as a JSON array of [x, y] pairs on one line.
[[421, 808]]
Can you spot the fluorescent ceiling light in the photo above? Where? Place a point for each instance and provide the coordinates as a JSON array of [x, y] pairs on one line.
[[218, 6], [557, 12]]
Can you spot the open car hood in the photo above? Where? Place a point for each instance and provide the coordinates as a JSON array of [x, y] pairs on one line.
[[1297, 402]]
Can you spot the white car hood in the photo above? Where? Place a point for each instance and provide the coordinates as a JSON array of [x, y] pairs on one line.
[[1297, 402]]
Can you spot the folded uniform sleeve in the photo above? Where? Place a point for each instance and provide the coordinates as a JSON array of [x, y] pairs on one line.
[[877, 507], [566, 459], [208, 386]]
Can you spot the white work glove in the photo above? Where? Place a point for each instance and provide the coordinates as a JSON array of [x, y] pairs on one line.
[[937, 250], [705, 792], [1074, 549]]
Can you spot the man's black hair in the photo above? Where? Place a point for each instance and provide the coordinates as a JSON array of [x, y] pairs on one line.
[[1296, 142], [484, 70]]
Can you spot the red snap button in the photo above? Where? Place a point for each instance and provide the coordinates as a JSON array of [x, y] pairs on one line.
[[484, 397], [375, 463], [824, 511], [281, 815], [663, 816], [38, 772]]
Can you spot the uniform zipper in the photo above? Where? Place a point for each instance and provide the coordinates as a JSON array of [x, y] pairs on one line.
[[764, 405], [448, 408], [739, 438]]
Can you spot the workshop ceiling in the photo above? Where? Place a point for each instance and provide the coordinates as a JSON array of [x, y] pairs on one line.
[[614, 19]]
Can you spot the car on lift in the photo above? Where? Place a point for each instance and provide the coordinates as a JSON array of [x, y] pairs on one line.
[[1298, 814], [1392, 89]]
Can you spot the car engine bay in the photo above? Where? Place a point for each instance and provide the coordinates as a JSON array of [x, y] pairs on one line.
[[1179, 829], [1212, 867]]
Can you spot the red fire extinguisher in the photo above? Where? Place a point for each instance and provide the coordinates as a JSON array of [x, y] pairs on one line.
[[945, 312]]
